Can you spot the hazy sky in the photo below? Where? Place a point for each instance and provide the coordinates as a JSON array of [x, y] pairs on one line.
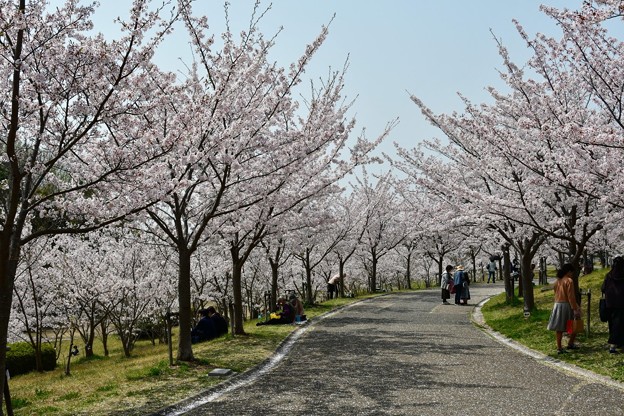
[[430, 48]]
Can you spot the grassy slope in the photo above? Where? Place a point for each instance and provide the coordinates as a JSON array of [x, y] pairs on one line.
[[145, 382], [509, 320]]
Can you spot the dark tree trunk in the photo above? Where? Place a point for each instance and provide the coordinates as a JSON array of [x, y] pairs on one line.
[[341, 282], [509, 283], [274, 279], [408, 270], [104, 329], [237, 292], [9, 254], [185, 349], [373, 272], [527, 280]]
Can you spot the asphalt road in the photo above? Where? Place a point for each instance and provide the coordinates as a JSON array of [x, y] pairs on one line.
[[407, 354]]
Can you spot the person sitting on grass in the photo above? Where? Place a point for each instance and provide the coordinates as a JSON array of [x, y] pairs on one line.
[[297, 307], [220, 324], [286, 315], [205, 329]]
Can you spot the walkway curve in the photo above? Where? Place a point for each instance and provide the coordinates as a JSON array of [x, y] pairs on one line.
[[478, 319], [241, 380], [407, 354]]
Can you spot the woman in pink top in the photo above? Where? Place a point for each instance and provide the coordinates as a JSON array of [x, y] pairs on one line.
[[565, 307]]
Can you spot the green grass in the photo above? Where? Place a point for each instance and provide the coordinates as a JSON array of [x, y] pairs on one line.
[[145, 382], [509, 320]]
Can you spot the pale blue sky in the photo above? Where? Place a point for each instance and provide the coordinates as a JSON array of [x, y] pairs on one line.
[[431, 48]]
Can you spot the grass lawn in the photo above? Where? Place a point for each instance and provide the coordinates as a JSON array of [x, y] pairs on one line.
[[145, 382], [594, 355]]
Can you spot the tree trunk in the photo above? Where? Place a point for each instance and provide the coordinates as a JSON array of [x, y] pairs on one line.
[[185, 349], [237, 266], [527, 280], [13, 223], [72, 333], [408, 270], [125, 344], [441, 269], [104, 337], [238, 298], [274, 279], [9, 255], [374, 272], [521, 282], [88, 340], [310, 298], [575, 254], [38, 360], [509, 284], [308, 271], [341, 289]]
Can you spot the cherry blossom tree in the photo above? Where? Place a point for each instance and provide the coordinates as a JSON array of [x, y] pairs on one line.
[[528, 164], [348, 231], [247, 142], [36, 303], [76, 118], [277, 254], [211, 279], [383, 231], [234, 104], [314, 242]]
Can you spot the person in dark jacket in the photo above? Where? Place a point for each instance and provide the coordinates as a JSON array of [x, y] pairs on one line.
[[613, 288], [205, 329], [219, 321], [465, 289]]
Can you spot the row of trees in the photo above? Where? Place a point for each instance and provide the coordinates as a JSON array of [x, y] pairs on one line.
[[95, 134], [542, 162], [123, 280], [128, 192]]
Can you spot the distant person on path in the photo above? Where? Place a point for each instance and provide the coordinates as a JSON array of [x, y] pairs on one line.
[[286, 315], [446, 282], [221, 325], [465, 289], [613, 288], [491, 268], [457, 281], [565, 307], [205, 329]]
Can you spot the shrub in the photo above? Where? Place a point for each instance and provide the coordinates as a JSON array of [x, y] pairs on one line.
[[21, 358]]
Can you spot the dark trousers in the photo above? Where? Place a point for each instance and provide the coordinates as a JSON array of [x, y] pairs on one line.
[[458, 291], [331, 290], [491, 275]]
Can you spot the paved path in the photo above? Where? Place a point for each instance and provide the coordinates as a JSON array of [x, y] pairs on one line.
[[407, 354]]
